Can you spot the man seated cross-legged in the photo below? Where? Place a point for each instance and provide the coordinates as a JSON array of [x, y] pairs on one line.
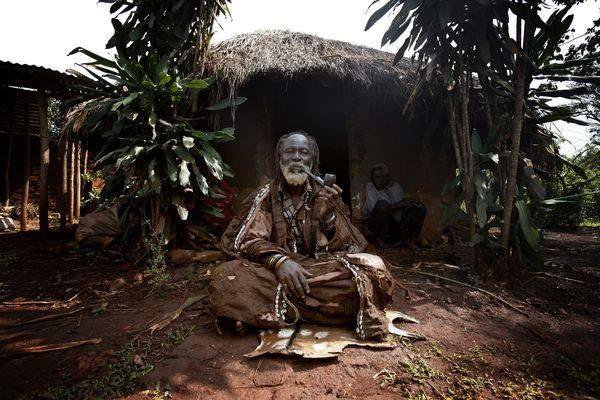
[[299, 257]]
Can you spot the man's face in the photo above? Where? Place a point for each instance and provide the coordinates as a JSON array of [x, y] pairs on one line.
[[295, 156], [381, 179]]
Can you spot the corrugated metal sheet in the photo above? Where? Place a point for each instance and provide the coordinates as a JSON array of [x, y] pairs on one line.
[[57, 84]]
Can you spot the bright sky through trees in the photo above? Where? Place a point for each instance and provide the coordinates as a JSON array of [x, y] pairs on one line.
[[42, 32]]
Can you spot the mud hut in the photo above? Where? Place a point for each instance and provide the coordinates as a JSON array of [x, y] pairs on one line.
[[351, 98]]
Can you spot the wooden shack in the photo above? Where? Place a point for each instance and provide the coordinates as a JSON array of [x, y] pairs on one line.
[[28, 153]]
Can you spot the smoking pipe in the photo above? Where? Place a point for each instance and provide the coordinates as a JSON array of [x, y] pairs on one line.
[[327, 180]]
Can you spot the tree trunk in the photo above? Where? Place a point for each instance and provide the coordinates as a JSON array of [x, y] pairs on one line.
[[84, 168], [71, 180], [487, 103], [44, 160], [452, 126], [517, 127], [26, 172], [85, 161], [7, 163], [64, 206], [468, 162], [77, 176]]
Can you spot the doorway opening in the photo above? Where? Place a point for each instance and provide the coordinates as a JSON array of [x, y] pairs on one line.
[[307, 105]]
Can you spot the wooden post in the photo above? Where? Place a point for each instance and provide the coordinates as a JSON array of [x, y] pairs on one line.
[[44, 160], [77, 176], [85, 161], [26, 168], [64, 207], [71, 156], [8, 157]]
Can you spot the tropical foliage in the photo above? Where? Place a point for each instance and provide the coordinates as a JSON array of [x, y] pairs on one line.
[[157, 155], [484, 72]]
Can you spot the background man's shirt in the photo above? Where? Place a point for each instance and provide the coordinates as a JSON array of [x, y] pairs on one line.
[[391, 194]]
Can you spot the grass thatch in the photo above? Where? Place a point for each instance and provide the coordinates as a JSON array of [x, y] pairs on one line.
[[292, 54]]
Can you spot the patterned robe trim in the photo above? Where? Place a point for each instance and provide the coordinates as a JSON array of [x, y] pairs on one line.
[[360, 333], [260, 196]]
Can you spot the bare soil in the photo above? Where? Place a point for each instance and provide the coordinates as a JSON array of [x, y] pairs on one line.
[[476, 347]]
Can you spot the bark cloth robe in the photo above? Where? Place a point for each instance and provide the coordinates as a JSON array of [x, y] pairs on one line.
[[348, 287]]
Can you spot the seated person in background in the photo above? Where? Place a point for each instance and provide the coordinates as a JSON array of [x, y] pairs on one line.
[[391, 219]]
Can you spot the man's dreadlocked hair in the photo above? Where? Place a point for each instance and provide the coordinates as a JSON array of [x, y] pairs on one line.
[[313, 148]]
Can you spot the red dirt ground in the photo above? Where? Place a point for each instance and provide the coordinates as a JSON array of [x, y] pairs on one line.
[[475, 347]]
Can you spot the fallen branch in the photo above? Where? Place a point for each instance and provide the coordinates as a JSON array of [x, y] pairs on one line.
[[54, 347], [170, 317], [556, 276], [408, 295], [436, 264], [53, 303], [29, 302], [44, 318], [13, 337], [495, 296]]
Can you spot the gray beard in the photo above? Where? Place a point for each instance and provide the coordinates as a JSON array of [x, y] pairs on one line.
[[293, 178]]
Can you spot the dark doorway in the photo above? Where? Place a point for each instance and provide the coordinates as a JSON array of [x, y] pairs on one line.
[[308, 105]]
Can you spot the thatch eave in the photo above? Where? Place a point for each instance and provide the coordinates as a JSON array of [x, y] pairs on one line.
[[290, 54]]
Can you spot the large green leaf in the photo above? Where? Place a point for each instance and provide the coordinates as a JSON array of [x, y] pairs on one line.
[[453, 184], [534, 183], [97, 58], [379, 13], [200, 180], [476, 144], [153, 176], [529, 231], [171, 166], [184, 173], [226, 103], [213, 160], [183, 153], [188, 142], [198, 83], [568, 199]]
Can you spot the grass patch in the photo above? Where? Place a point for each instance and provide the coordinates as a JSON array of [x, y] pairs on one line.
[[590, 223], [158, 393], [121, 376], [418, 370], [156, 267]]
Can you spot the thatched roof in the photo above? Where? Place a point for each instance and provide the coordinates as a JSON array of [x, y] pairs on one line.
[[291, 54]]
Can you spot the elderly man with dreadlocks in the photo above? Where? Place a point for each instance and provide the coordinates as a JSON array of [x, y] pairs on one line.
[[299, 257]]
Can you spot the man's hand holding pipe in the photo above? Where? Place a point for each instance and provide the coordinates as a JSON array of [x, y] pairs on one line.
[[327, 199]]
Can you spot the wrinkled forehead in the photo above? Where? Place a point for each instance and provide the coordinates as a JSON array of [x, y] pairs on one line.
[[295, 141]]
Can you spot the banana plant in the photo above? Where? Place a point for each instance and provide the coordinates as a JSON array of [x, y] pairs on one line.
[[489, 205], [157, 154]]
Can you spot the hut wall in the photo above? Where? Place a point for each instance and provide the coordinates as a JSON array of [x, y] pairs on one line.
[[418, 160], [250, 155]]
